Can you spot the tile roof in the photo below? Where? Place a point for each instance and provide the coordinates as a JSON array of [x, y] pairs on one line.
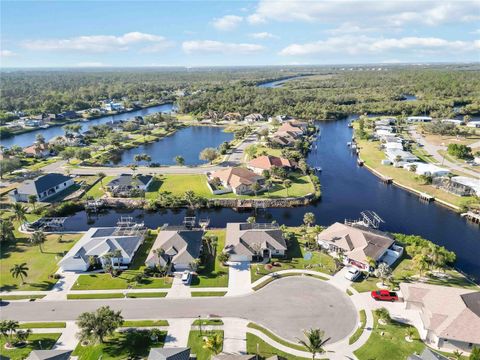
[[266, 162], [235, 176]]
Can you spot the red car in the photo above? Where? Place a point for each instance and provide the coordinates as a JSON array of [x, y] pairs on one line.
[[384, 295]]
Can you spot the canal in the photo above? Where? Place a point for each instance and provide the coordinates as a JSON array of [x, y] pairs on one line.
[[27, 139]]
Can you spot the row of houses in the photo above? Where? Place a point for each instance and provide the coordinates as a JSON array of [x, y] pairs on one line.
[[288, 133]]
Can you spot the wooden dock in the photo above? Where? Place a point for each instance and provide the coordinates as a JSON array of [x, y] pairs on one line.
[[426, 197], [471, 216]]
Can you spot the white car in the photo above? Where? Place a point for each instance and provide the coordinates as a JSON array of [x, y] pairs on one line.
[[352, 273], [186, 277]]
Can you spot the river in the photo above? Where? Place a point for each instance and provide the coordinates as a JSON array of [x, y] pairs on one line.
[[27, 139]]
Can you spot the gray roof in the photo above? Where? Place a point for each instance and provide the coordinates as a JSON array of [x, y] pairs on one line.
[[427, 354], [129, 180], [173, 353], [233, 357], [243, 237], [42, 183], [183, 246], [49, 355]]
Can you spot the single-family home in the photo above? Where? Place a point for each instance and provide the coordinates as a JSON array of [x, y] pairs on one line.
[[382, 134], [37, 150], [43, 187], [467, 182], [386, 122], [49, 355], [384, 127], [266, 162], [227, 356], [474, 124], [254, 242], [396, 155], [178, 248], [291, 128], [453, 121], [285, 140], [128, 184], [33, 122], [359, 244], [393, 145], [69, 114], [112, 106], [450, 316], [251, 118], [427, 354], [419, 119], [392, 138], [232, 116], [169, 353], [238, 180], [427, 169], [99, 246]]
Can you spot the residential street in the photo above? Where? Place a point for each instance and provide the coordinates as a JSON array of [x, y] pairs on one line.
[[286, 306]]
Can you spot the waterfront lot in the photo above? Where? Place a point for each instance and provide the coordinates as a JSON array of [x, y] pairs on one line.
[[178, 184]]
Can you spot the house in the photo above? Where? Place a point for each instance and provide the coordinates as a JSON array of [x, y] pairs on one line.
[[37, 150], [396, 155], [169, 353], [225, 356], [393, 146], [386, 122], [237, 179], [178, 248], [98, 242], [33, 122], [472, 184], [291, 128], [49, 355], [359, 244], [253, 118], [382, 134], [392, 138], [127, 184], [232, 116], [112, 106], [419, 119], [474, 124], [453, 121], [42, 187], [450, 316], [427, 169], [266, 162], [69, 114], [254, 242], [285, 140]]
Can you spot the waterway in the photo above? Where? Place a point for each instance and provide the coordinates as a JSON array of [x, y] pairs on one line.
[[187, 142], [27, 139]]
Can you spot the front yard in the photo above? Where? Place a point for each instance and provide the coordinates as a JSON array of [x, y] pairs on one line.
[[196, 342], [213, 273], [35, 342], [298, 257]]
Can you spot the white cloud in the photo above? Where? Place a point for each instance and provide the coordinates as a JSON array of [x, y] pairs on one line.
[[388, 13], [227, 22], [98, 43], [263, 35], [349, 28], [7, 53], [91, 64], [211, 46], [363, 45]]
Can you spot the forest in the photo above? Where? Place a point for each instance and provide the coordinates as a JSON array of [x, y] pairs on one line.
[[321, 93]]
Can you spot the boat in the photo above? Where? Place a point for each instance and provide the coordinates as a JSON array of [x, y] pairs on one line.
[[349, 143], [318, 168], [350, 125]]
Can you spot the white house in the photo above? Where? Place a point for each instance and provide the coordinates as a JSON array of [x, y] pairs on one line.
[[419, 119], [427, 169], [474, 124], [393, 145], [98, 242], [111, 106], [453, 121], [403, 156], [43, 187]]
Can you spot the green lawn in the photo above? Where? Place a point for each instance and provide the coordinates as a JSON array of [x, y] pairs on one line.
[[195, 342], [41, 265], [97, 190], [95, 296], [295, 259], [356, 335], [257, 346], [276, 338], [212, 273], [208, 293], [205, 322], [42, 325], [403, 272], [35, 342], [122, 345], [144, 323], [107, 282], [178, 184], [388, 342], [20, 297]]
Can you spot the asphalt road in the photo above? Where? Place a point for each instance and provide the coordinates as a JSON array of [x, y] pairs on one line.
[[287, 306]]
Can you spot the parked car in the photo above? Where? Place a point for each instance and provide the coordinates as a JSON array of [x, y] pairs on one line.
[[384, 295], [352, 273], [186, 277]]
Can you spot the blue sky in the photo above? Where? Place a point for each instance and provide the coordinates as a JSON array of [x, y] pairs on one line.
[[264, 32]]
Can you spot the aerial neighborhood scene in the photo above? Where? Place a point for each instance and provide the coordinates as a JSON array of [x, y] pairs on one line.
[[240, 180]]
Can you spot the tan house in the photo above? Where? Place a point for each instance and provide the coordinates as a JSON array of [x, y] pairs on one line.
[[358, 244], [289, 128], [37, 150], [254, 242], [266, 162], [450, 316], [238, 180]]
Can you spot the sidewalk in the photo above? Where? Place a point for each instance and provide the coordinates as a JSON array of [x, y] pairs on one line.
[[178, 331], [68, 340]]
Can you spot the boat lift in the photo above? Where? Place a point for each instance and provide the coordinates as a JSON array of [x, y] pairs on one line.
[[368, 218]]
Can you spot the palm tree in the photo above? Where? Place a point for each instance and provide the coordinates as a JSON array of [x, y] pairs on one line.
[[383, 315], [101, 175], [179, 160], [213, 343], [314, 341], [6, 231], [7, 329], [19, 212], [287, 184], [38, 238], [32, 199], [384, 272], [20, 270], [309, 219]]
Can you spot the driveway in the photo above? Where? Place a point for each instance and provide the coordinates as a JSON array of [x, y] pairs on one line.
[[286, 306], [239, 281]]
